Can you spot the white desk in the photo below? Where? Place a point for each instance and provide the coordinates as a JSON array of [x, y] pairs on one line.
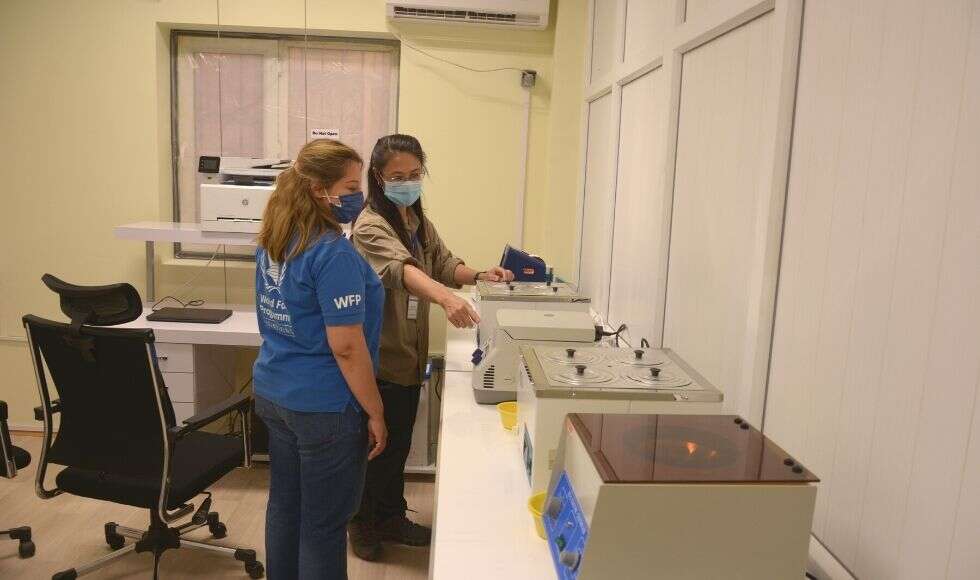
[[198, 360], [242, 329], [482, 528]]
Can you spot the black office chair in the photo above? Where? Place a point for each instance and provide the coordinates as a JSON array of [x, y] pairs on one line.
[[13, 458], [118, 438]]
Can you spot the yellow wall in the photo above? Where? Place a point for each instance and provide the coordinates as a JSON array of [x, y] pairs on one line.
[[551, 226], [85, 127]]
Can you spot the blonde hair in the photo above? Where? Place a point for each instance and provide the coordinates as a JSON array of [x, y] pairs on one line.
[[293, 213]]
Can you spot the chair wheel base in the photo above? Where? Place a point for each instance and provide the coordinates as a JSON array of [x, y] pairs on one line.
[[65, 575], [113, 538], [218, 530], [255, 570], [26, 549]]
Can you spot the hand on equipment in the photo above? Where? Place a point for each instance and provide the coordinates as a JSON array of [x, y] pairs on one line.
[[459, 312], [498, 274], [377, 436]]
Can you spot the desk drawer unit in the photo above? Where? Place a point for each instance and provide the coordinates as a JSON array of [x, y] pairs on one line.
[[180, 387], [183, 411], [197, 376], [175, 358]]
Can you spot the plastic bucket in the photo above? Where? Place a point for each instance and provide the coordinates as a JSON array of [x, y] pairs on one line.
[[536, 505], [508, 414]]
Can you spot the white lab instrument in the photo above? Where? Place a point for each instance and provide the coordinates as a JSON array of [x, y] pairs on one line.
[[556, 381], [495, 376], [499, 13], [234, 192], [490, 297], [679, 497]]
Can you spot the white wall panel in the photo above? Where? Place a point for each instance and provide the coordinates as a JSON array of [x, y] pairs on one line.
[[639, 225], [604, 50], [874, 370], [647, 22], [960, 289], [597, 208], [696, 8], [717, 189]]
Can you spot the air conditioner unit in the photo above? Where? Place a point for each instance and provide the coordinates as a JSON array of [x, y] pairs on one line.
[[500, 13]]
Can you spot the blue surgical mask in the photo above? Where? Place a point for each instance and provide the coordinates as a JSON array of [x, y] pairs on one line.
[[403, 193], [350, 207]]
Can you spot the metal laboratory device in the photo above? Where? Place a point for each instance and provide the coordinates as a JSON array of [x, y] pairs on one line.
[[493, 296], [676, 497], [495, 376], [556, 381]]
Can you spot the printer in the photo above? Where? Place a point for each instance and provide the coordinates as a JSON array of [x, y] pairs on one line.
[[495, 377], [234, 192]]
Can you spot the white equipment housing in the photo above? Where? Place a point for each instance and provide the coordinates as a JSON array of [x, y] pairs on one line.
[[234, 198], [531, 14], [495, 377], [674, 496], [557, 381], [490, 297]]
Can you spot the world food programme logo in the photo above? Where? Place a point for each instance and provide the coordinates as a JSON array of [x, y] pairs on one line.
[[273, 274]]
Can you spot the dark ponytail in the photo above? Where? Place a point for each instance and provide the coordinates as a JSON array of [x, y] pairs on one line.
[[383, 151]]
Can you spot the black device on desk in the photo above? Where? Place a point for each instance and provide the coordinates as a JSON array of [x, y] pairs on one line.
[[196, 315]]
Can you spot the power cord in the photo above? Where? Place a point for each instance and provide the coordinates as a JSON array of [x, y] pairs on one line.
[[437, 369], [191, 303], [240, 417], [464, 67], [437, 385], [176, 296], [616, 333]]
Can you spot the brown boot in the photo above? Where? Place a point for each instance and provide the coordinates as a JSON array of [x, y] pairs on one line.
[[364, 540]]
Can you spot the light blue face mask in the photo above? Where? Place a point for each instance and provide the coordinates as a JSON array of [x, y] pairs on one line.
[[403, 193]]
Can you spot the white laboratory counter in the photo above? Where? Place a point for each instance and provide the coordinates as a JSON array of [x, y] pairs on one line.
[[482, 528]]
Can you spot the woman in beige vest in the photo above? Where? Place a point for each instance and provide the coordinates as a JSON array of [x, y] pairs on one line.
[[416, 268]]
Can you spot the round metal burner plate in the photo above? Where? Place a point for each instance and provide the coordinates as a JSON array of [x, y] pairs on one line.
[[665, 380], [589, 377], [650, 358], [560, 355]]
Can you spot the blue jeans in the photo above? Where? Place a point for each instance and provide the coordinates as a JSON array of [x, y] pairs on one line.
[[317, 474]]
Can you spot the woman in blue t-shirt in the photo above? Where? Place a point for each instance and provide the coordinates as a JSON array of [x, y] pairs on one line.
[[319, 309]]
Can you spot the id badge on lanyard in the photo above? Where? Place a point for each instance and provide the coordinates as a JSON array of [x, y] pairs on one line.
[[413, 307]]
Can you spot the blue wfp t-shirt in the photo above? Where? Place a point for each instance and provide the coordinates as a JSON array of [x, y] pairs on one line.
[[329, 284]]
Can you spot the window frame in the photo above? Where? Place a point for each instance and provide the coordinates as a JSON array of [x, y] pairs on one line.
[[276, 116]]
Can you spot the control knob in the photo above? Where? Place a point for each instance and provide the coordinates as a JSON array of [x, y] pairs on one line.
[[654, 372], [553, 509], [638, 353], [569, 559], [570, 352]]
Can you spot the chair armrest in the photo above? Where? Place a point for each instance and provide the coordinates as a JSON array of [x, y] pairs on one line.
[[239, 402], [39, 411]]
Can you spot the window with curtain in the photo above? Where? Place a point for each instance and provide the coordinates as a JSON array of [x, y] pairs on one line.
[[264, 97]]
